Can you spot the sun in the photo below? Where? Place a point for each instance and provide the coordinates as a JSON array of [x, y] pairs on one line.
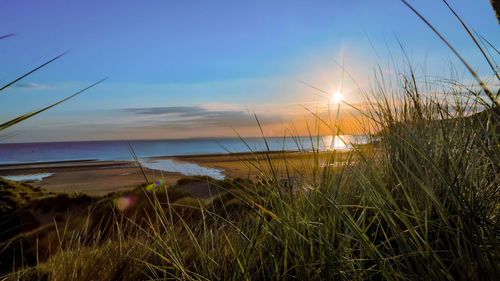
[[337, 97]]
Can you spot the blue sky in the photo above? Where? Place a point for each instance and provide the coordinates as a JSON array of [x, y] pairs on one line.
[[205, 65]]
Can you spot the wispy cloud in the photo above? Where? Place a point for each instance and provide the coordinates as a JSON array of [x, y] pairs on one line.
[[225, 106], [181, 110], [32, 86], [209, 120], [196, 116]]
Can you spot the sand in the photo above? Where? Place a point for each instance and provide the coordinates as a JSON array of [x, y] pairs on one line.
[[102, 177], [91, 177]]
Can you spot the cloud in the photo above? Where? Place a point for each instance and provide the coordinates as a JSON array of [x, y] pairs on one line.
[[224, 106], [31, 86], [196, 116], [166, 110]]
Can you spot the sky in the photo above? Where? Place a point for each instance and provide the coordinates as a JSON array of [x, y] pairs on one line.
[[186, 69]]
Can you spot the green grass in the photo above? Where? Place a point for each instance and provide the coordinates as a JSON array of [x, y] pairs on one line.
[[422, 204]]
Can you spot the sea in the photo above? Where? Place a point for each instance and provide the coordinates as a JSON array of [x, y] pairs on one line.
[[14, 153], [18, 153]]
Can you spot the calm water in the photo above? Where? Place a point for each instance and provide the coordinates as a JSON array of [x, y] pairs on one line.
[[29, 177], [185, 168], [119, 150]]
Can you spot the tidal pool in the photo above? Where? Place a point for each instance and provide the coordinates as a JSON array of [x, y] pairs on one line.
[[185, 168], [28, 177]]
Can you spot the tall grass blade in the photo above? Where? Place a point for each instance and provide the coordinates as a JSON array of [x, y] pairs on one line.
[[490, 95], [30, 72], [16, 120], [7, 35]]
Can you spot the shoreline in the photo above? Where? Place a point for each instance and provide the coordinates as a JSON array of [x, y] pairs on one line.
[[101, 177], [90, 177], [96, 177], [180, 156]]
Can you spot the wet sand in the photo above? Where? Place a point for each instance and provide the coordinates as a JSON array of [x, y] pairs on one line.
[[248, 165], [92, 177], [236, 165], [102, 177]]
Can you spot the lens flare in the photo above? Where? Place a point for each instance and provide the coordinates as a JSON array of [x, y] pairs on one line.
[[337, 97], [125, 202]]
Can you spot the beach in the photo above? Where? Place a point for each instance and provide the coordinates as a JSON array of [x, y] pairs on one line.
[[102, 177], [100, 167], [92, 177]]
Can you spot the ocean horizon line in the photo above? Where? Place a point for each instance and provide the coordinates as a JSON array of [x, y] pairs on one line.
[[177, 139], [119, 150]]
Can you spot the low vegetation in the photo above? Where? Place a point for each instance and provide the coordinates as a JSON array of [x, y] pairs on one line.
[[423, 204]]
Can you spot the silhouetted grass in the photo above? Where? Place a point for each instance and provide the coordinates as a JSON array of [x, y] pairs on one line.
[[421, 204], [25, 116]]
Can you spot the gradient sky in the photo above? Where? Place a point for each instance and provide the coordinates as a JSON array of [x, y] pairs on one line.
[[201, 68]]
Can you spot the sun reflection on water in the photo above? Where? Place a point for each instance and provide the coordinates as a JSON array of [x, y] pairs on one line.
[[339, 142]]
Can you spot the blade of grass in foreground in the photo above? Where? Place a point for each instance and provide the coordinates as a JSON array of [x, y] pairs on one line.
[[136, 159], [16, 120], [481, 83], [28, 73], [7, 35], [473, 39]]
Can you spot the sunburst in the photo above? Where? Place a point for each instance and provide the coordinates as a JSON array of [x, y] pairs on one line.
[[337, 97]]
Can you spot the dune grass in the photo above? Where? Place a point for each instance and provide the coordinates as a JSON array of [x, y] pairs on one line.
[[20, 118], [423, 204]]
